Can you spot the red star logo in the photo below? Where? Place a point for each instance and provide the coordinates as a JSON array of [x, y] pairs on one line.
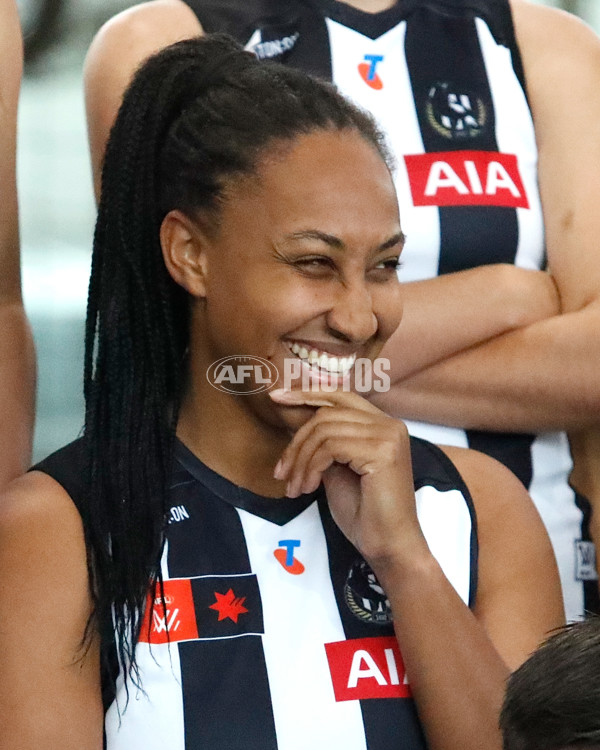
[[227, 605]]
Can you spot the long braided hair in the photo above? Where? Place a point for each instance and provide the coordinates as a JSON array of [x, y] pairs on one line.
[[196, 115]]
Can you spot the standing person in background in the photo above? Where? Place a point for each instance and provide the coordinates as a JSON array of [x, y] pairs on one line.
[[17, 355], [495, 176]]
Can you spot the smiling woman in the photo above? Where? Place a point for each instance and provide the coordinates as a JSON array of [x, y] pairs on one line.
[[254, 568]]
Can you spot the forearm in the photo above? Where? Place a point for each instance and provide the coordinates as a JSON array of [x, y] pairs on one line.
[[543, 377], [455, 674], [17, 392], [448, 314]]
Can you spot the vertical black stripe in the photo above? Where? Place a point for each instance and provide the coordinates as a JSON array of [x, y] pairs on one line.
[[226, 692], [388, 722], [312, 51], [227, 701]]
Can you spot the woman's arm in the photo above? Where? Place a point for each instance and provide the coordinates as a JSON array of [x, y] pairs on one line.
[[508, 382], [117, 51], [457, 661], [454, 312], [49, 678], [17, 356], [518, 604]]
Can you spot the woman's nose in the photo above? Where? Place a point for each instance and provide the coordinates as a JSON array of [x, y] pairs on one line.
[[353, 314]]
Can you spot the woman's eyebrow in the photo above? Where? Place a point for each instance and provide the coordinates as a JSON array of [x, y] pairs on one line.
[[316, 234], [396, 239], [330, 239]]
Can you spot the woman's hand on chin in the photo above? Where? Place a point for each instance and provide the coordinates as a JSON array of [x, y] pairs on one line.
[[363, 458]]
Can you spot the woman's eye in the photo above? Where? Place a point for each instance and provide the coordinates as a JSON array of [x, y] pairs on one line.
[[316, 263], [391, 264]]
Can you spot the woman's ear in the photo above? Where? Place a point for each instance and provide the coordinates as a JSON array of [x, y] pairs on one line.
[[184, 246]]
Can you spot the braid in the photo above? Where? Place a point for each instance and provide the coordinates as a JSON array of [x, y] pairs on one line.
[[195, 115]]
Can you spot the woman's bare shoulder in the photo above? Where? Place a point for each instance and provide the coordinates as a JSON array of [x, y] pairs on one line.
[[547, 33], [45, 608], [41, 533], [36, 498]]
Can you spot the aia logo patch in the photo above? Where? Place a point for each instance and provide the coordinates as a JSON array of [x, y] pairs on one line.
[[466, 178], [368, 71], [284, 555], [367, 668], [203, 608]]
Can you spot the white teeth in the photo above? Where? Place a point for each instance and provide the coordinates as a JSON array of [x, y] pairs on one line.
[[324, 361]]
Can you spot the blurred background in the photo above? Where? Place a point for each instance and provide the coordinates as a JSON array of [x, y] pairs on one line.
[[56, 202]]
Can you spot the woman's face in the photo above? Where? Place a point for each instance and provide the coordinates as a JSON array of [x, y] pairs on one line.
[[303, 265]]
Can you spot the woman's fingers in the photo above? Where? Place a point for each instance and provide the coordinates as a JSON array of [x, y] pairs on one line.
[[326, 443], [339, 406]]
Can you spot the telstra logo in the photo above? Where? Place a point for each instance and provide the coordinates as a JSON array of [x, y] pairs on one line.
[[368, 71], [284, 555]]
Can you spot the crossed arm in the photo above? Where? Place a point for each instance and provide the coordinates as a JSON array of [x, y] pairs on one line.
[[542, 375]]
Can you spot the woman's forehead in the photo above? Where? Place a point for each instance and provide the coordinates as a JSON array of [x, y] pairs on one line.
[[334, 183], [315, 166]]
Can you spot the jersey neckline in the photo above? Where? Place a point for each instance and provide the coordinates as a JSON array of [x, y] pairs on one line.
[[277, 510], [372, 25]]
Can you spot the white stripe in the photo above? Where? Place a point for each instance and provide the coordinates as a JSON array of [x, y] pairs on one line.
[[515, 134], [441, 434], [393, 108], [300, 616], [446, 524], [153, 718], [255, 39]]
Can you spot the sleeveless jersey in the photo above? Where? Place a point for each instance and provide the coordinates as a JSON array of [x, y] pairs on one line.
[[444, 79], [279, 635]]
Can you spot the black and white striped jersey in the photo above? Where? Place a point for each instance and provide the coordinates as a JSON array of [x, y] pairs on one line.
[[445, 81], [280, 636]]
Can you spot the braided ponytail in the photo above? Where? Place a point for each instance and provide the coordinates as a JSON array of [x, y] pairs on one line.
[[196, 115]]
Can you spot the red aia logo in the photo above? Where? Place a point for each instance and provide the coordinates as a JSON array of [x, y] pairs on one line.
[[466, 178], [368, 73], [367, 668]]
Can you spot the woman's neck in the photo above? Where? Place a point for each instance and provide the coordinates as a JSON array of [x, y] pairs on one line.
[[371, 6], [231, 441]]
